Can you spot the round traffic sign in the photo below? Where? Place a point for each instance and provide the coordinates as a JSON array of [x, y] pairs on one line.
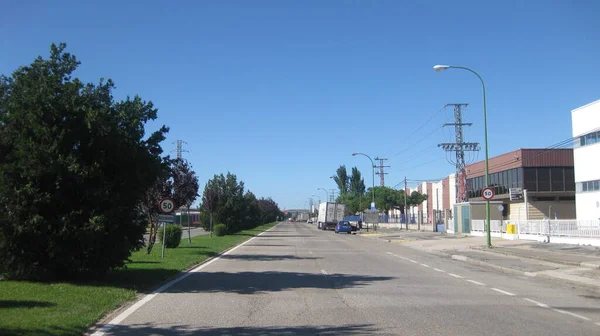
[[487, 193], [166, 205]]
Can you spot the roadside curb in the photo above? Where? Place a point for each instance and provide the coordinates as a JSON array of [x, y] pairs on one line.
[[585, 264], [508, 270]]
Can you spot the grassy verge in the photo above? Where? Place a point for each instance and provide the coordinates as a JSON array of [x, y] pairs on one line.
[[29, 308]]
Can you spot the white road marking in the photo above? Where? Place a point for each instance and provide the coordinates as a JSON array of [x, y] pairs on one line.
[[597, 323], [455, 275], [439, 270], [390, 253], [413, 261], [569, 313], [539, 304], [476, 282], [310, 252], [324, 272], [425, 265], [503, 292], [114, 322], [397, 256]]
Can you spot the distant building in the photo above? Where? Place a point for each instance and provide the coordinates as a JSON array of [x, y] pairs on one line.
[[586, 131], [542, 182]]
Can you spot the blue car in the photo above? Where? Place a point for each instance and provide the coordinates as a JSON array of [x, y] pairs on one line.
[[343, 226]]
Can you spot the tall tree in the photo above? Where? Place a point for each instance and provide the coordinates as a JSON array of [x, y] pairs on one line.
[[75, 165], [179, 182], [357, 182], [342, 180]]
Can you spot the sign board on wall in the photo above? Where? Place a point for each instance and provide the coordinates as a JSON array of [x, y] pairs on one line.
[[371, 217], [516, 194]]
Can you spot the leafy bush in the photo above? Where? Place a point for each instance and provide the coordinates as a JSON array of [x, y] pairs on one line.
[[220, 230], [174, 232], [73, 178]]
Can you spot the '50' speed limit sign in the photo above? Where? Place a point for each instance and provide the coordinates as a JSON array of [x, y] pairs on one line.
[[487, 193], [166, 205]]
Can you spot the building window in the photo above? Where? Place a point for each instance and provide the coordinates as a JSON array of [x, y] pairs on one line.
[[569, 179], [588, 139], [558, 179], [543, 177], [588, 186], [530, 179]]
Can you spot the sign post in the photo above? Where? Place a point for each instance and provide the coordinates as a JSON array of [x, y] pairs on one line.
[[166, 206], [488, 194]]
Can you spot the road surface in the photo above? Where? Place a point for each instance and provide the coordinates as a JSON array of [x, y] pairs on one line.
[[297, 280]]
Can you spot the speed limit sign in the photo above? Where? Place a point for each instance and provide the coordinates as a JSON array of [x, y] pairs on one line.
[[487, 193], [166, 205]]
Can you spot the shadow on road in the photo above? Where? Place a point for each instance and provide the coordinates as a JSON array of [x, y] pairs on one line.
[[182, 330], [24, 304], [264, 257], [283, 236], [259, 282], [266, 245]]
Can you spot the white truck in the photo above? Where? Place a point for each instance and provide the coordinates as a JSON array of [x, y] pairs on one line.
[[302, 217], [329, 215]]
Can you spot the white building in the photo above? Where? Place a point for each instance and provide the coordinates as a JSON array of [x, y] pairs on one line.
[[586, 154]]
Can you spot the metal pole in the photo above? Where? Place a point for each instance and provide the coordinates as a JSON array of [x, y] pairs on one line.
[[326, 193], [437, 209], [189, 226], [373, 171], [162, 255], [487, 168], [406, 203]]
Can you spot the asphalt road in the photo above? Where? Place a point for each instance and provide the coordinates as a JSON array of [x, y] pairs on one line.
[[297, 280]]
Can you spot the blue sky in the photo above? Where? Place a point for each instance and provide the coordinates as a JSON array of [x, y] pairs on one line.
[[281, 92]]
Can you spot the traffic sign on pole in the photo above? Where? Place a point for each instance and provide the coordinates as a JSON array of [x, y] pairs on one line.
[[487, 193], [166, 205]]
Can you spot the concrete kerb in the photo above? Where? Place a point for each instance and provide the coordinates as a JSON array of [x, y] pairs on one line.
[[585, 264], [508, 270]]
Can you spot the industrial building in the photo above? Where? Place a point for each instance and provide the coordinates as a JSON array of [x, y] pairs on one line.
[[586, 133], [528, 183]]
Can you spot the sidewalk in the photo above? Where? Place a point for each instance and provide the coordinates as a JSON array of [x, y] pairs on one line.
[[579, 265]]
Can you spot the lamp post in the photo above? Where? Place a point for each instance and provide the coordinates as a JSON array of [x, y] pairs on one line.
[[440, 68], [326, 193], [373, 168]]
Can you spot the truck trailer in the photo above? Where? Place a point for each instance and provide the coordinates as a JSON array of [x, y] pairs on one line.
[[330, 214]]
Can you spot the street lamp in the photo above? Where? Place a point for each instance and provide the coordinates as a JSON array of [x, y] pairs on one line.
[[440, 68], [319, 198], [326, 192], [372, 165]]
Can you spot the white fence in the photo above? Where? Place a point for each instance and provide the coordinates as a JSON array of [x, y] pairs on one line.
[[559, 228], [478, 227], [557, 231]]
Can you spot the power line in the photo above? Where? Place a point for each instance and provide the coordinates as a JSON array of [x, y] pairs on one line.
[[425, 123]]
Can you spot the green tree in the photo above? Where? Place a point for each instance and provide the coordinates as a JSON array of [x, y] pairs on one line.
[[342, 180], [357, 182], [177, 181], [230, 204], [75, 166]]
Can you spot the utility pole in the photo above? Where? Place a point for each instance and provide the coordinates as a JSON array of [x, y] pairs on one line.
[[437, 209], [459, 147], [406, 202], [332, 195], [179, 148], [381, 172]]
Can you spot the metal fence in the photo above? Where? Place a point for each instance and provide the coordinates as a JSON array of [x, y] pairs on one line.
[[479, 225], [559, 228]]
